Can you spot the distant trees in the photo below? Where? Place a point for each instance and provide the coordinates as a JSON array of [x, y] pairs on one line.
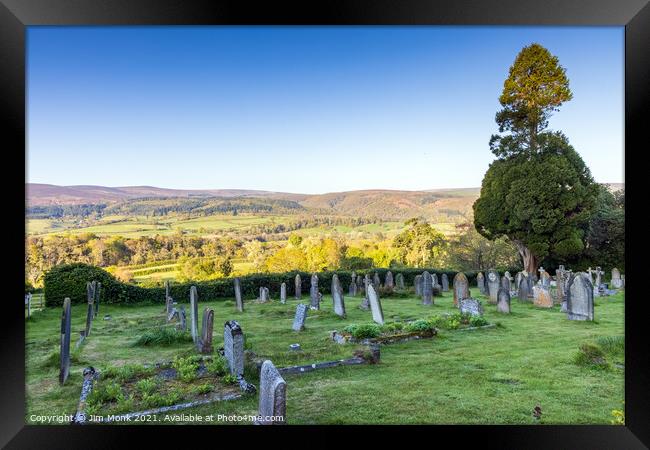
[[472, 251], [420, 245], [199, 269]]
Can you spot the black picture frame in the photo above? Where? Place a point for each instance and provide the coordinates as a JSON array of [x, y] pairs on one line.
[[16, 15]]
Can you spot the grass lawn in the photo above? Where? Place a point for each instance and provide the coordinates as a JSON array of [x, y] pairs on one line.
[[486, 376]]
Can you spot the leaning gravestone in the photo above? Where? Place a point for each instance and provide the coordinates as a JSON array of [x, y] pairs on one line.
[[375, 305], [239, 302], [283, 293], [233, 347], [480, 283], [205, 342], [313, 293], [299, 319], [427, 288], [388, 282], [298, 287], [493, 284], [194, 314], [616, 278], [542, 297], [471, 306], [417, 283], [580, 298], [273, 396], [503, 301], [337, 296], [183, 318], [445, 282], [65, 342], [399, 280], [461, 288], [505, 283], [375, 281]]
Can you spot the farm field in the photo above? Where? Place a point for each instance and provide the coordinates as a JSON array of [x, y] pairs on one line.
[[484, 376]]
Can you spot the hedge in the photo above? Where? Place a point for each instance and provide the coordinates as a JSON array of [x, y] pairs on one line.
[[70, 280]]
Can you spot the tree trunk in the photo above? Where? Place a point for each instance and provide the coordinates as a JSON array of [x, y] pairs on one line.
[[529, 260]]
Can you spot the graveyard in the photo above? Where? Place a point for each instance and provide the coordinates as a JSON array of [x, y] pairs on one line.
[[430, 353]]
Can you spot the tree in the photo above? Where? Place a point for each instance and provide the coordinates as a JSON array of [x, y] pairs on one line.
[[474, 252], [539, 192], [420, 245]]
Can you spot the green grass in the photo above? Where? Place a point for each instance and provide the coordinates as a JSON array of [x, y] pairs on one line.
[[493, 375]]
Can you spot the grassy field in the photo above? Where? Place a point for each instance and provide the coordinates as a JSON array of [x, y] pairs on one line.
[[487, 376]]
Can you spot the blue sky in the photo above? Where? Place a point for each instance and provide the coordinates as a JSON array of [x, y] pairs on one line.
[[300, 109]]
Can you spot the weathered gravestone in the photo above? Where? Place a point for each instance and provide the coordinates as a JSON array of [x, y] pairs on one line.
[[264, 295], [298, 286], [505, 284], [493, 284], [360, 284], [168, 298], [183, 319], [313, 293], [434, 282], [376, 282], [194, 314], [283, 293], [525, 289], [470, 306], [239, 302], [480, 283], [542, 297], [445, 282], [299, 319], [204, 344], [353, 287], [598, 282], [517, 280], [233, 347], [375, 305], [389, 285], [580, 298], [427, 288], [337, 296], [273, 396], [97, 292], [399, 281], [90, 290], [64, 368], [544, 278], [560, 283], [617, 282], [461, 288], [417, 284], [365, 303], [503, 301]]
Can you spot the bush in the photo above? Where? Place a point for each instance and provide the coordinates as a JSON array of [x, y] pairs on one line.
[[363, 331], [419, 326], [218, 366], [127, 372], [147, 386], [478, 321], [186, 368]]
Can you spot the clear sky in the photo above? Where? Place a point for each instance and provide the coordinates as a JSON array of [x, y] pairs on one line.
[[300, 109]]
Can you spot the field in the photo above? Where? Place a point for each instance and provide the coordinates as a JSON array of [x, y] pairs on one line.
[[485, 376]]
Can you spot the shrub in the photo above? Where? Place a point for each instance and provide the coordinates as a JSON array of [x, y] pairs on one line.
[[163, 336], [186, 368], [391, 327], [127, 372], [203, 389], [229, 379], [363, 331], [478, 321], [612, 345], [147, 386], [419, 326], [218, 366]]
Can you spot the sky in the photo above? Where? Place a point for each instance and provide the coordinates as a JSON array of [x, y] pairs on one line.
[[301, 109]]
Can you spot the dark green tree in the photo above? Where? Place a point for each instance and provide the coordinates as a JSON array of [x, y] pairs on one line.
[[539, 192]]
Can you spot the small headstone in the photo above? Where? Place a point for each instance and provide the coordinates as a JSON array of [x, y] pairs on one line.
[[205, 342], [399, 281], [376, 282], [461, 288], [298, 286], [389, 285], [505, 283], [283, 293], [337, 297], [480, 283], [445, 282], [299, 319], [560, 283], [597, 283], [313, 293], [471, 306], [417, 283], [580, 297], [233, 347], [493, 284], [434, 282], [542, 297], [64, 368], [264, 295], [375, 305], [503, 301], [617, 282], [239, 302], [524, 291], [194, 314], [353, 287], [273, 395], [517, 281], [427, 288]]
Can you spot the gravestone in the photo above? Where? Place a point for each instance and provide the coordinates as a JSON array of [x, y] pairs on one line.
[[508, 276], [239, 302], [375, 305], [617, 282], [427, 288], [353, 287], [233, 347], [376, 282], [461, 288], [194, 314], [493, 285], [273, 396], [313, 293], [445, 282], [167, 293], [434, 282], [580, 297], [205, 342], [389, 285], [399, 281], [182, 318], [542, 297], [470, 306], [544, 278], [417, 283], [503, 301], [517, 280], [337, 296], [90, 289], [563, 307], [298, 286], [98, 288], [365, 303], [264, 295], [299, 319], [505, 284], [283, 293], [524, 292], [598, 282], [560, 284], [360, 284], [64, 368], [28, 302], [480, 283]]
